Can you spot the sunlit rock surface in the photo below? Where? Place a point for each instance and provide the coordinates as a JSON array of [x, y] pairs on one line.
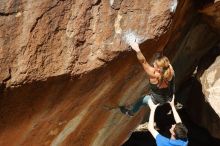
[[55, 37], [202, 94], [210, 81], [210, 84], [66, 67]]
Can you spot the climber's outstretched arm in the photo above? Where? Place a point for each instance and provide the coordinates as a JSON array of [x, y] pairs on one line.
[[151, 71], [175, 113], [153, 107]]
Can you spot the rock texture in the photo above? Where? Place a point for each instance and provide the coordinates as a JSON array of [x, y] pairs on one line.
[[212, 15], [191, 38], [66, 67], [205, 112], [56, 37], [202, 89], [211, 89], [210, 85], [201, 113]]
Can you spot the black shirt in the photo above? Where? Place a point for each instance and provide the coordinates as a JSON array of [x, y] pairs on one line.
[[162, 95]]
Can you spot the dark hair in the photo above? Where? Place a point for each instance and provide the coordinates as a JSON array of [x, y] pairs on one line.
[[180, 131]]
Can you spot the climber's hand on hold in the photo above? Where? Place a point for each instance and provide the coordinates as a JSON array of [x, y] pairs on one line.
[[135, 46]]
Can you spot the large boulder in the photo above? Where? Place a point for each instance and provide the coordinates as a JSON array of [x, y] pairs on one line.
[[201, 93], [66, 67], [40, 39], [210, 81]]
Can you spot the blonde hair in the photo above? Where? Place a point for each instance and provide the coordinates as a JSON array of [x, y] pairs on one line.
[[164, 64]]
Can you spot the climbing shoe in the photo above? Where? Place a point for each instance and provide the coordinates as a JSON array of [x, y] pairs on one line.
[[126, 111]]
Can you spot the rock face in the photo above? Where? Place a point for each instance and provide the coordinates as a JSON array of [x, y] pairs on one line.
[[210, 81], [191, 39], [212, 15], [205, 112], [210, 85], [201, 93], [58, 37], [66, 67]]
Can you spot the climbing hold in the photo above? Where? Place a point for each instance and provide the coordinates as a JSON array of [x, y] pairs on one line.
[[115, 4], [173, 5], [130, 37]]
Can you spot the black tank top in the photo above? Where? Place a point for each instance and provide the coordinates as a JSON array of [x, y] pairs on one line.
[[162, 95]]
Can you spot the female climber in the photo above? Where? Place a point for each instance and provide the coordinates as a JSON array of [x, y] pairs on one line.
[[161, 81]]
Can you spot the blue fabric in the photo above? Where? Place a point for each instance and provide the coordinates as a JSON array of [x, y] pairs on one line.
[[143, 101], [163, 141]]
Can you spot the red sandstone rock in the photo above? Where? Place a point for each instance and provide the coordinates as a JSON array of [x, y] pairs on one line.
[[65, 68]]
